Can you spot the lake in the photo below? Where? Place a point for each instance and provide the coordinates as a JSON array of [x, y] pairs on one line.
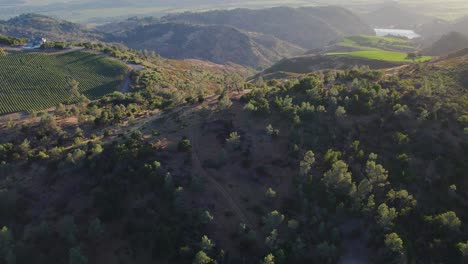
[[382, 32]]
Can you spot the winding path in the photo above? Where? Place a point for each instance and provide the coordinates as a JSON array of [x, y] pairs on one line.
[[194, 135]]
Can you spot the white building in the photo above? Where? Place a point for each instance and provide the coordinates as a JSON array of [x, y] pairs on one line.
[[35, 44]]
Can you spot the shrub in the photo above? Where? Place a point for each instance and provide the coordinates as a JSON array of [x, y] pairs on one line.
[[184, 145]]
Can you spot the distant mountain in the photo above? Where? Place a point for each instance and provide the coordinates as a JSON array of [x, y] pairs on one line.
[[448, 43], [461, 25], [216, 43], [33, 25], [435, 29], [306, 27], [395, 16], [128, 24]]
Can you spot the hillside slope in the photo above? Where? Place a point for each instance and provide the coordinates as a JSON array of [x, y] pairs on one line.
[[310, 63], [395, 16], [451, 42], [305, 27], [327, 168], [360, 50], [34, 25], [461, 25], [35, 81], [216, 43]]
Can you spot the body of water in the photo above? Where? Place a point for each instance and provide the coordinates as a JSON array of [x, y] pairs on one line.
[[382, 32]]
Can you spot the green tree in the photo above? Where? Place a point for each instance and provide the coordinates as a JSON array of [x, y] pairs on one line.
[[446, 222], [386, 215], [340, 111], [224, 102], [412, 56], [2, 52], [272, 239], [402, 200], [363, 190], [202, 258], [332, 156], [273, 219], [310, 83], [206, 244], [306, 164], [184, 145], [76, 257], [271, 131], [376, 174], [233, 140], [268, 259], [206, 217], [394, 243], [270, 193], [463, 248], [339, 179], [25, 146]]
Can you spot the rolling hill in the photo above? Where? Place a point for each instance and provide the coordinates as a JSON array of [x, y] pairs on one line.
[[313, 27], [395, 16], [35, 81], [359, 50], [448, 43], [327, 167], [461, 25], [34, 25], [215, 43]]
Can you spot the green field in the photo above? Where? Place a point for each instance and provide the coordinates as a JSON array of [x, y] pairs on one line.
[[382, 55], [364, 42], [35, 81], [379, 48]]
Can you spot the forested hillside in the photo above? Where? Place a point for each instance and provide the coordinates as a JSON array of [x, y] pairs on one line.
[[238, 136], [328, 167]]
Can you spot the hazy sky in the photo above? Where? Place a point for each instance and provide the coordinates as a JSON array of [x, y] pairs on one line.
[[87, 10]]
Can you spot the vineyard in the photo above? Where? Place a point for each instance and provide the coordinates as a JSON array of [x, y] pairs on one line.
[[35, 81]]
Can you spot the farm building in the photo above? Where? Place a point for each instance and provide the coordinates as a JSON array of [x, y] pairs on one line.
[[35, 44]]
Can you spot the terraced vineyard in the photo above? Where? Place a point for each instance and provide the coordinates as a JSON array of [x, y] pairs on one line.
[[35, 81]]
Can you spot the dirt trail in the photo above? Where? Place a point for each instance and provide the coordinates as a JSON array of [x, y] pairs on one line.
[[194, 135]]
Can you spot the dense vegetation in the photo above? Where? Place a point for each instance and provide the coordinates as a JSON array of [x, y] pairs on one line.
[[34, 81], [10, 41], [189, 163], [347, 161]]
